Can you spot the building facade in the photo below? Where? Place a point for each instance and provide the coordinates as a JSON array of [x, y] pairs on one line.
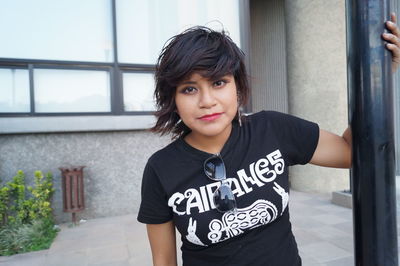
[[76, 84]]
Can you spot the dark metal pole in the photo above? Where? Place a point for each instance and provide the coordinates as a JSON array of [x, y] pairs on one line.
[[372, 124]]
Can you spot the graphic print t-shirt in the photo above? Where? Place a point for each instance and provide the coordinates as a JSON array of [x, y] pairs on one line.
[[256, 157]]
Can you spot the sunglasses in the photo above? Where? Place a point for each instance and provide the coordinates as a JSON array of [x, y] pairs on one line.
[[224, 200]]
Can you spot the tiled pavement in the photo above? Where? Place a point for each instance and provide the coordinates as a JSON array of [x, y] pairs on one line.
[[322, 230]]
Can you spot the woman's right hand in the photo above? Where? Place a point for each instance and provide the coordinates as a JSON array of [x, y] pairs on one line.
[[163, 243], [393, 41]]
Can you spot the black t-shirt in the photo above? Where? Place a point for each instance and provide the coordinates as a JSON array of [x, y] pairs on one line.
[[256, 156]]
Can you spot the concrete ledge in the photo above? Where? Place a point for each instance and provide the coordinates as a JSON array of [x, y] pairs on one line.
[[342, 198], [15, 125]]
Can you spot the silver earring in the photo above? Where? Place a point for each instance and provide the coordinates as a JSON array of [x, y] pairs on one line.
[[239, 117]]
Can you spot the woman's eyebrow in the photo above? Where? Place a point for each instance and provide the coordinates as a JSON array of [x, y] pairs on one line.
[[188, 82]]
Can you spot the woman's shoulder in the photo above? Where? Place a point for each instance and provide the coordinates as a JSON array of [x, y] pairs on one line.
[[278, 120], [163, 154], [265, 115]]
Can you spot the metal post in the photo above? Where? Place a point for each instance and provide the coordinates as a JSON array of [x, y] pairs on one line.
[[372, 124]]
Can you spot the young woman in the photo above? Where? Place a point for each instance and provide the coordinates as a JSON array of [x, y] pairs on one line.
[[223, 182]]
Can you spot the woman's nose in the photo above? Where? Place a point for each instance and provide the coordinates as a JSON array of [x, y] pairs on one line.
[[207, 98]]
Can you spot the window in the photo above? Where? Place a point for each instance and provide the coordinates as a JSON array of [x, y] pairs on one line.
[[71, 91], [138, 92], [14, 92], [93, 57], [72, 30], [159, 20]]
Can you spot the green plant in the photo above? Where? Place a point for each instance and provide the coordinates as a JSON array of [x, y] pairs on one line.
[[18, 207], [19, 238], [26, 220], [42, 193], [4, 202], [12, 240]]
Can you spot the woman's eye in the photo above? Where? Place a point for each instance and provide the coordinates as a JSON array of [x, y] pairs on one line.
[[189, 90], [219, 83]]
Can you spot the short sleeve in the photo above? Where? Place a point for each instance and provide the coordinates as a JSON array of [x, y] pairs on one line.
[[298, 137], [154, 207]]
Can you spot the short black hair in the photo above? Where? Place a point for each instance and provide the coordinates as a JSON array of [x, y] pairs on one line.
[[199, 49]]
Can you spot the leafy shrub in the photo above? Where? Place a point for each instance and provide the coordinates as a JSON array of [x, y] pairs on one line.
[[4, 199], [42, 193], [18, 207], [26, 221], [19, 238]]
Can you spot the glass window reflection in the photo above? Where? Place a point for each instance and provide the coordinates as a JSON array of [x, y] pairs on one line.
[[71, 91], [138, 92], [14, 91], [72, 30], [144, 26]]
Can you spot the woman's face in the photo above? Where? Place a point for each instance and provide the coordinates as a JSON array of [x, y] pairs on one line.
[[207, 106]]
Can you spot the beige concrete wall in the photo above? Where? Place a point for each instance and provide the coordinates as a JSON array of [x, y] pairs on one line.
[[114, 166], [268, 56], [316, 58]]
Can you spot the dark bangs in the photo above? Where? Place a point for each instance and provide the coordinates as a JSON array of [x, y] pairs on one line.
[[210, 53]]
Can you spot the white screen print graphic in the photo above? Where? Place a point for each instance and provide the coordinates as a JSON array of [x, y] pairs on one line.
[[262, 172], [191, 236], [259, 213]]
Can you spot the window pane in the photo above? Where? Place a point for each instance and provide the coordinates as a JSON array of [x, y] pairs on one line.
[[144, 26], [57, 30], [138, 92], [71, 90], [14, 91]]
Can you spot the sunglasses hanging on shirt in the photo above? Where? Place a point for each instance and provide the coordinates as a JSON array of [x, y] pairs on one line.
[[224, 200]]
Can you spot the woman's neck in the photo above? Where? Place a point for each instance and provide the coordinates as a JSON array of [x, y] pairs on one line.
[[209, 144]]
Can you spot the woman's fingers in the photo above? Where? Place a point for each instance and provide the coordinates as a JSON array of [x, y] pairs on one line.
[[392, 27], [393, 36], [395, 51], [393, 40], [393, 17]]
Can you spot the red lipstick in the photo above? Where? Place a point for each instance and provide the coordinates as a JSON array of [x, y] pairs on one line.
[[210, 117]]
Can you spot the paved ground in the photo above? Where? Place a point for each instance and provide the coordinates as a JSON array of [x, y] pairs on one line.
[[322, 230]]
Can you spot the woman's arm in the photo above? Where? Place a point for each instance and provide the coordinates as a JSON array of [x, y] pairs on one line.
[[333, 150], [163, 243]]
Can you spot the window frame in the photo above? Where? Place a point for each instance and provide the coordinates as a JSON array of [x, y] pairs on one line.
[[115, 69], [116, 90], [130, 71]]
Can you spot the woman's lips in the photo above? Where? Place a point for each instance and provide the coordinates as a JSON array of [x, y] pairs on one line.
[[210, 117]]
